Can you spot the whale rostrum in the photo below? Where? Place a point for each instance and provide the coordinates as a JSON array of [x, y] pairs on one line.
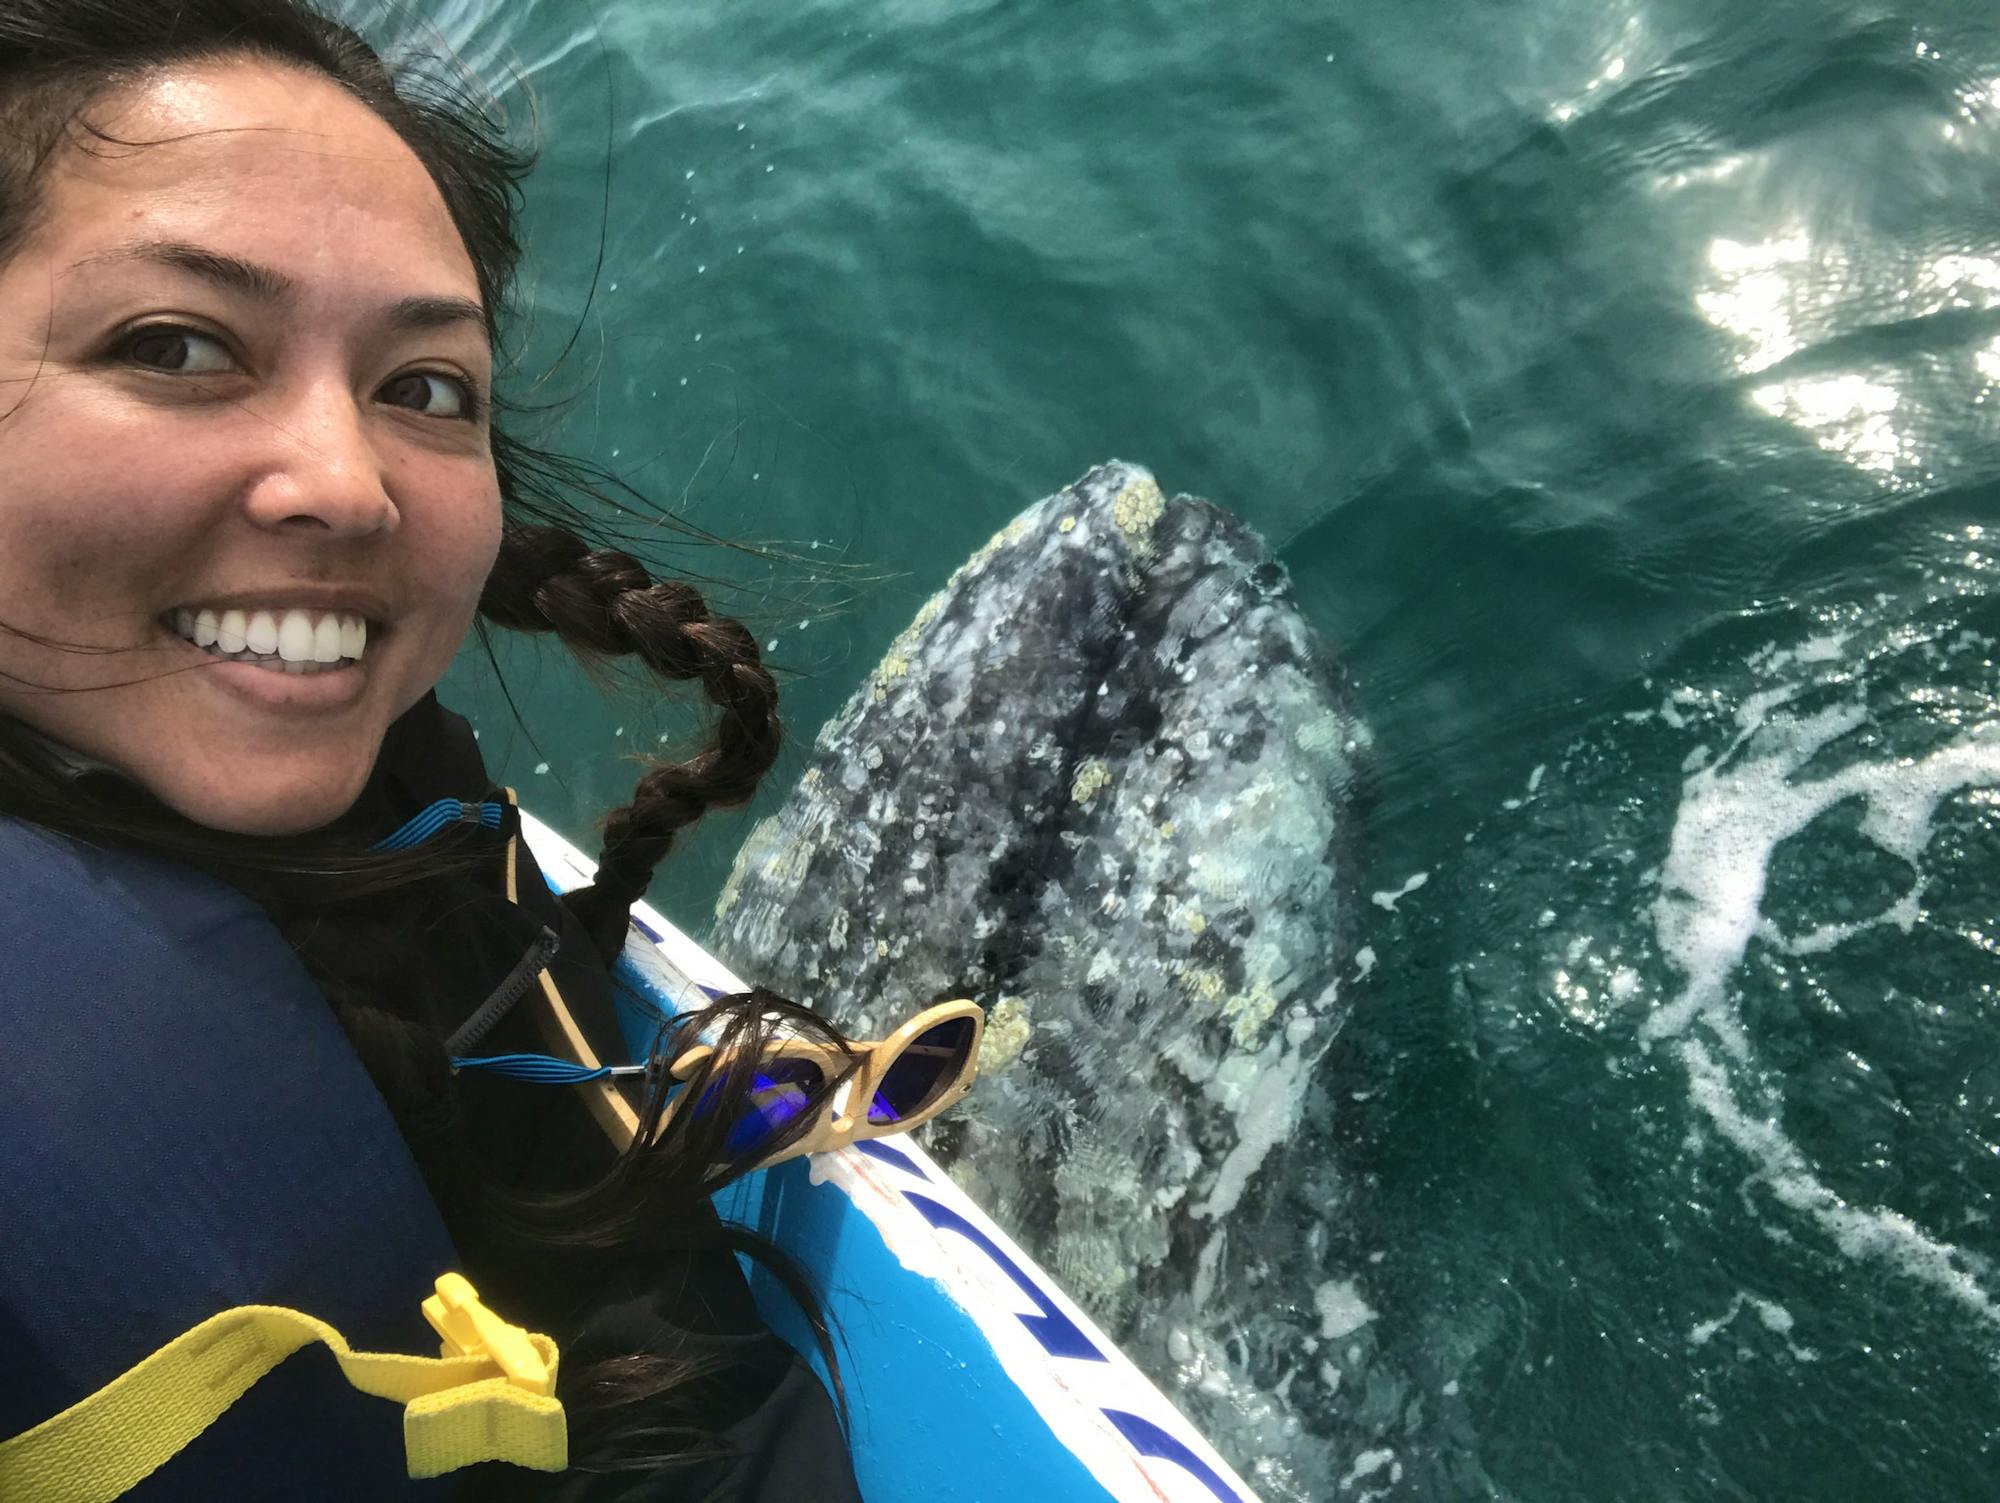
[[1103, 785]]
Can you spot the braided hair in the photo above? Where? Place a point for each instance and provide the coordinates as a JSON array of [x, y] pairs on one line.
[[602, 603]]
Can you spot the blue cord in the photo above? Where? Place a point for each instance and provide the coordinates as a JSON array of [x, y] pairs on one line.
[[543, 1069], [441, 815]]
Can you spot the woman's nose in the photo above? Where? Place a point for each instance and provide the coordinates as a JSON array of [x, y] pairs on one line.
[[324, 474]]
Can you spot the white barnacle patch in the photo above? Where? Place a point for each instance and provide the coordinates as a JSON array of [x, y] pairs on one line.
[[1006, 537], [893, 667], [1249, 1012], [1203, 984], [1136, 508], [1007, 1031], [755, 862], [1092, 777], [1325, 732], [1342, 1310]]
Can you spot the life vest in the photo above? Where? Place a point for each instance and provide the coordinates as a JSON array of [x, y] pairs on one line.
[[174, 1081], [187, 1130]]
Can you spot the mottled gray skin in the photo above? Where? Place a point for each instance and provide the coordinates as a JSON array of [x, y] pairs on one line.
[[1101, 785]]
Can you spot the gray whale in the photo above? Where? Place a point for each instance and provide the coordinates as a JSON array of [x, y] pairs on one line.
[[1102, 784]]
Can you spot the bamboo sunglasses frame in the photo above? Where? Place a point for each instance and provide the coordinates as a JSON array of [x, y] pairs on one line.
[[848, 1116]]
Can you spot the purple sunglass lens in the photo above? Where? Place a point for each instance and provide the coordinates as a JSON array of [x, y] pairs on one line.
[[921, 1072], [782, 1089]]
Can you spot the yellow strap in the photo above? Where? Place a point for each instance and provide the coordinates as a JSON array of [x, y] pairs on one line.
[[491, 1397]]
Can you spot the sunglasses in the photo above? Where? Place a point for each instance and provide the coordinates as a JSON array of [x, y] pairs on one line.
[[891, 1084]]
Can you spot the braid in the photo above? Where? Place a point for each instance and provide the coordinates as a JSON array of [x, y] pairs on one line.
[[603, 603]]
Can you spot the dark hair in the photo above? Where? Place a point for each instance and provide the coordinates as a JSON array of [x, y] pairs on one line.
[[346, 911]]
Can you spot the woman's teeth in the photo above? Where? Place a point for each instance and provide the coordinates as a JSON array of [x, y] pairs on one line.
[[286, 641]]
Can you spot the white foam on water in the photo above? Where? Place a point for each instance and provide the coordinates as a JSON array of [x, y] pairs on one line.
[[1733, 815], [1829, 647], [1773, 1316], [1902, 913], [1389, 900]]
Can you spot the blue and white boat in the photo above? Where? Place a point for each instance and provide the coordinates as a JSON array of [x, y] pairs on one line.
[[970, 1375]]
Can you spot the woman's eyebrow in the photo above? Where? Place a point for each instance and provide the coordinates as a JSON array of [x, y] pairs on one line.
[[264, 283]]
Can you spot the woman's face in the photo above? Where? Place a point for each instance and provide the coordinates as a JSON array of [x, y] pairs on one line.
[[243, 375]]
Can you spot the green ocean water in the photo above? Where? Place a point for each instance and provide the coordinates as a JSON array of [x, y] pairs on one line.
[[1618, 384]]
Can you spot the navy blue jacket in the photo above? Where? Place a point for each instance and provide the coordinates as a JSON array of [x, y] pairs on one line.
[[173, 1083], [187, 1128]]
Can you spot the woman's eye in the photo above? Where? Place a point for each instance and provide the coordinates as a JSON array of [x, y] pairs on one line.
[[185, 352], [433, 394]]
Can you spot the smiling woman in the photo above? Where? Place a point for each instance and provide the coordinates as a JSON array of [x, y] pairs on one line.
[[254, 496], [314, 430]]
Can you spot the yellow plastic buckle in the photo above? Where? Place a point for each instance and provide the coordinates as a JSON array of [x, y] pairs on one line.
[[469, 1329]]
